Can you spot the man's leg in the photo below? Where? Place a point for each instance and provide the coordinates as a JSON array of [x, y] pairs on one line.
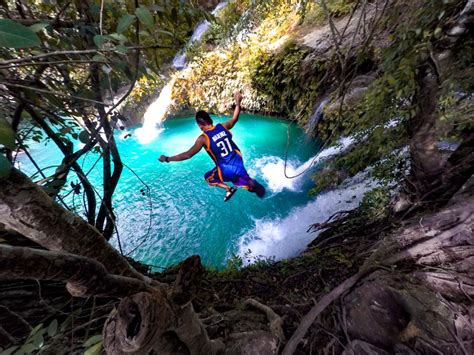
[[257, 188], [251, 185], [222, 186], [213, 179]]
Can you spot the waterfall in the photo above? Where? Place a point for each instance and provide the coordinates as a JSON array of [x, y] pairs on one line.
[[154, 115], [272, 169], [179, 61], [316, 116], [157, 111], [287, 236]]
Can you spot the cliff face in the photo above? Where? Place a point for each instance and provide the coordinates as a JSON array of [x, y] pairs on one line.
[[283, 57]]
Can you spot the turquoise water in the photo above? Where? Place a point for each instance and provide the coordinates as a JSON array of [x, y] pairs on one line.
[[188, 216]]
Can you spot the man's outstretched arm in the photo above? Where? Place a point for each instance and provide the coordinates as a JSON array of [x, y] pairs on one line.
[[235, 117], [185, 155]]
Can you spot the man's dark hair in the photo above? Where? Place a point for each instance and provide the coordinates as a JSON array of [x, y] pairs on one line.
[[203, 118]]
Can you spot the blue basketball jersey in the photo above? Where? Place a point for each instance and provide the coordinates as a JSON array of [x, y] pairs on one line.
[[220, 146]]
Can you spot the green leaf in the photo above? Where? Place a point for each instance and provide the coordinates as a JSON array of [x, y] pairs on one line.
[[7, 135], [94, 350], [99, 58], [38, 341], [118, 37], [144, 33], [99, 40], [34, 331], [92, 340], [5, 167], [121, 49], [165, 32], [15, 35], [124, 22], [145, 16], [28, 348], [84, 137], [37, 27], [53, 328]]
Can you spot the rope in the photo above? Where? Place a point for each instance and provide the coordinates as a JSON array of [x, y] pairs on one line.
[[150, 207], [312, 161]]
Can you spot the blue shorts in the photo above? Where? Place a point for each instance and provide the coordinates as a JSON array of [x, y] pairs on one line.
[[233, 172]]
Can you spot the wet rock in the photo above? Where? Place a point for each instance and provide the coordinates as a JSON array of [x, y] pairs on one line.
[[375, 314]]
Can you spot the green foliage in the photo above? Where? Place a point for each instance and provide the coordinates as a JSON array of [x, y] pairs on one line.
[[145, 16], [261, 263], [277, 76], [40, 336], [93, 345], [312, 12], [234, 263], [226, 24], [392, 97], [327, 178], [374, 204], [95, 349], [52, 328], [60, 73], [33, 343], [125, 22], [376, 145], [231, 270], [5, 167], [263, 61], [235, 266], [15, 35], [7, 135]]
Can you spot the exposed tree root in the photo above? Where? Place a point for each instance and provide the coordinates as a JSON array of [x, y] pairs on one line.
[[309, 319], [276, 322], [84, 276], [447, 235]]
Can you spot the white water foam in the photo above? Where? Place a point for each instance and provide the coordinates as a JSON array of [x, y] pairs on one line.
[[154, 115], [272, 168], [287, 236]]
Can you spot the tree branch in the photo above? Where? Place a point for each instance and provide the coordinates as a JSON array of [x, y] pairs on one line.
[[84, 276], [77, 52]]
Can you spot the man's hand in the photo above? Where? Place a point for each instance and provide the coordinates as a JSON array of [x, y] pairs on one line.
[[163, 159], [238, 97]]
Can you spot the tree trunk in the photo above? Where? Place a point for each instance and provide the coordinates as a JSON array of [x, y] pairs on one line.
[[110, 177], [164, 322], [26, 209], [426, 161], [435, 178], [149, 322]]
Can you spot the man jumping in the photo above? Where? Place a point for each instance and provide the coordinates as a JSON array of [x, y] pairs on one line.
[[217, 140]]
